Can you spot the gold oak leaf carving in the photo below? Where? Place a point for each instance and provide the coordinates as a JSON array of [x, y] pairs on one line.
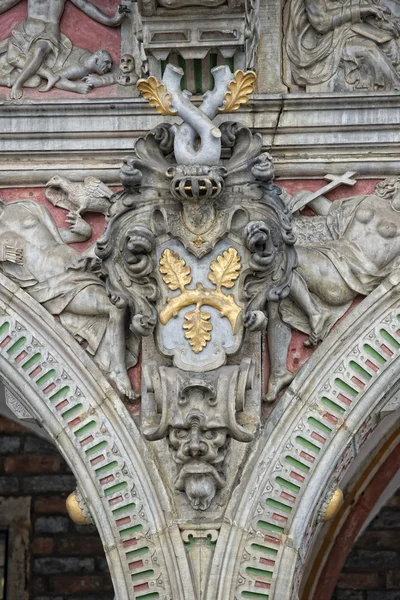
[[240, 89], [174, 271], [157, 96], [225, 270], [198, 329]]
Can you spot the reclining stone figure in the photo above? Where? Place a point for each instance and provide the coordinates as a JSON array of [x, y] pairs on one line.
[[38, 50], [34, 255]]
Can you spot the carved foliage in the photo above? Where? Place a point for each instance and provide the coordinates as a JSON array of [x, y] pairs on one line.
[[240, 89], [156, 94], [223, 273]]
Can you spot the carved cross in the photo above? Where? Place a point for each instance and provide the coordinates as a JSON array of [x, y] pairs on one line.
[[335, 181]]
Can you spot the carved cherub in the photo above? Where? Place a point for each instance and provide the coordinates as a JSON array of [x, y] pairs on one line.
[[37, 47]]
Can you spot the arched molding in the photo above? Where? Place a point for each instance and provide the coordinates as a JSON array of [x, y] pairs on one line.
[[55, 380], [310, 441], [340, 535]]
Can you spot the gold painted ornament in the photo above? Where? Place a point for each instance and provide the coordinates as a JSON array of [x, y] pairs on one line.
[[240, 89], [74, 510], [334, 505], [224, 272], [156, 93]]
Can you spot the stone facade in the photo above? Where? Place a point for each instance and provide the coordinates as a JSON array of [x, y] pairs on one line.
[[199, 280]]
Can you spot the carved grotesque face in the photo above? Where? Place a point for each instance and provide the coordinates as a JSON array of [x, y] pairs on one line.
[[200, 482], [198, 442], [127, 63], [259, 240], [130, 176], [263, 169], [199, 449]]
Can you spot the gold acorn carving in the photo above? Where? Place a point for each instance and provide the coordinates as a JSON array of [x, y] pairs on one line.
[[333, 506], [75, 512]]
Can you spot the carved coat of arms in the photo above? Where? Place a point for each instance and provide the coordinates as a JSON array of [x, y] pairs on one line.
[[197, 244]]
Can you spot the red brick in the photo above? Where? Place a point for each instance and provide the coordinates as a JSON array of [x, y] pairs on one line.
[[79, 545], [39, 585], [358, 581], [43, 546], [393, 580], [78, 584], [50, 504], [7, 426], [386, 539], [32, 464]]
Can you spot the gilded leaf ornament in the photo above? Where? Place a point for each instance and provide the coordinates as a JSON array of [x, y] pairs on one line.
[[174, 271], [223, 272], [240, 89], [198, 329], [157, 96]]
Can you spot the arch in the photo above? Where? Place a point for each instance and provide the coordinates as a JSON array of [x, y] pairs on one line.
[[310, 441], [55, 380], [341, 534]]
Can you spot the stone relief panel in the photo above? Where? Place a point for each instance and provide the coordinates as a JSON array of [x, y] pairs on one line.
[[328, 231], [199, 423], [341, 45], [43, 49], [35, 256], [200, 255]]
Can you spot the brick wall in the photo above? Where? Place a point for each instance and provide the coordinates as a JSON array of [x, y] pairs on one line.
[[67, 560], [372, 569]]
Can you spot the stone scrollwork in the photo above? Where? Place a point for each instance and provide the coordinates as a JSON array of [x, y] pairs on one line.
[[125, 252], [198, 416], [342, 46]]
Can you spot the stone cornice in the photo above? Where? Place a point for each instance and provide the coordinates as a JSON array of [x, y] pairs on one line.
[[303, 132]]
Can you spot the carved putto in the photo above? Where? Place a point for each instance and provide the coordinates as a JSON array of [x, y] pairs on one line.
[[39, 55]]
